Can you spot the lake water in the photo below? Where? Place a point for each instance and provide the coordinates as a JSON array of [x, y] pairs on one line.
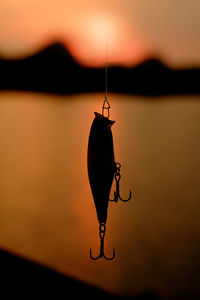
[[46, 208]]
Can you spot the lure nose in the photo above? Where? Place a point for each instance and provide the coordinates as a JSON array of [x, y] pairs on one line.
[[104, 119]]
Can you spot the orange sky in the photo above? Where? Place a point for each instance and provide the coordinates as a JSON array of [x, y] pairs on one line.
[[133, 29]]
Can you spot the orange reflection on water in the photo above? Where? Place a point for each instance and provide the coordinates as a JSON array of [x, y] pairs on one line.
[[47, 206], [47, 211]]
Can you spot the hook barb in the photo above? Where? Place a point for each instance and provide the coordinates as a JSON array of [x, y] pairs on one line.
[[117, 196], [102, 254], [94, 258], [125, 200]]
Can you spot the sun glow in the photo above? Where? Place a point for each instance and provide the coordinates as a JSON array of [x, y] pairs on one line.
[[99, 33]]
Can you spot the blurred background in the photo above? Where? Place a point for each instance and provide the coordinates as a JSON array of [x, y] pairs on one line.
[[52, 61], [134, 29]]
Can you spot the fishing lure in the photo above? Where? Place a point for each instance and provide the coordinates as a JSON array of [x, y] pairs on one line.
[[102, 169]]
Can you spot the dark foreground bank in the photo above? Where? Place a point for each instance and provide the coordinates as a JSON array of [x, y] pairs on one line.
[[21, 278]]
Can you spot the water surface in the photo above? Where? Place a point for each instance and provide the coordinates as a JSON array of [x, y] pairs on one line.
[[46, 208]]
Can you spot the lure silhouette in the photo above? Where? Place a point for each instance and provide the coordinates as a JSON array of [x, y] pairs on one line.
[[101, 171]]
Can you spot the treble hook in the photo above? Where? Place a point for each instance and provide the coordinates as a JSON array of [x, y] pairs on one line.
[[102, 230], [117, 179]]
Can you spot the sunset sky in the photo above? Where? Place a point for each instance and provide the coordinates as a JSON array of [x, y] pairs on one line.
[[133, 29]]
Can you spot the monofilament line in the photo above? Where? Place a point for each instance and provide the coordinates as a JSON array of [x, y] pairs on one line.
[[106, 104], [106, 75]]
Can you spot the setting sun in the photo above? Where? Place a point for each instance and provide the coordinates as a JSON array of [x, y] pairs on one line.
[[100, 31], [102, 35], [97, 34]]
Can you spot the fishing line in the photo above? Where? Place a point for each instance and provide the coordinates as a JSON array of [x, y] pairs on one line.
[[106, 75], [106, 104]]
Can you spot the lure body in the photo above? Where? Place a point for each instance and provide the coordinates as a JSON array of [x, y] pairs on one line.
[[101, 163]]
